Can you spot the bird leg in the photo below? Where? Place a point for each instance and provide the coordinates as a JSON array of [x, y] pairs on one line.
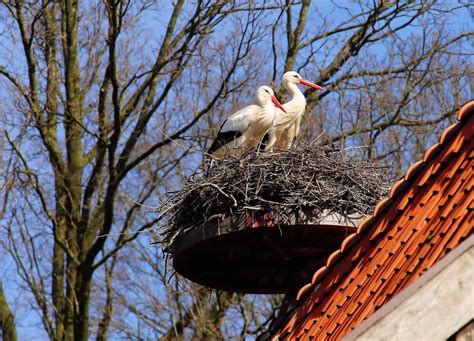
[[270, 143]]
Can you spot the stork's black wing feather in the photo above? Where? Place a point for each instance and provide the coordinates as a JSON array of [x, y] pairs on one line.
[[222, 139]]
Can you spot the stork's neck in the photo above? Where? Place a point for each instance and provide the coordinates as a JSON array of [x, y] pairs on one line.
[[268, 114], [297, 100], [294, 91], [267, 105], [270, 110]]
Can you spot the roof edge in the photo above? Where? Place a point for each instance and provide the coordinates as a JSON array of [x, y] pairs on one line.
[[464, 113], [465, 109]]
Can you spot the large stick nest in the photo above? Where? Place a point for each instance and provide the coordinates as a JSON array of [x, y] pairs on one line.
[[321, 179]]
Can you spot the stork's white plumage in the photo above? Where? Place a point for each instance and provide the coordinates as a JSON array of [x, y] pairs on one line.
[[288, 125], [245, 128]]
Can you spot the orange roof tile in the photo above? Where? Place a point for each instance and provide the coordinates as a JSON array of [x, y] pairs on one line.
[[428, 213]]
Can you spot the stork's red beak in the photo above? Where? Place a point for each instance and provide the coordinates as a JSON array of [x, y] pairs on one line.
[[277, 104], [312, 85]]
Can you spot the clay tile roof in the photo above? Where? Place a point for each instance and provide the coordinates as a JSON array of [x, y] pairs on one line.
[[427, 214]]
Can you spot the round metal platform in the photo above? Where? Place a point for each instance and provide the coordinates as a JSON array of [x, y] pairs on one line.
[[253, 258]]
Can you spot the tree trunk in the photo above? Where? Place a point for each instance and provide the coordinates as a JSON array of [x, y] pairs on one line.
[[7, 322]]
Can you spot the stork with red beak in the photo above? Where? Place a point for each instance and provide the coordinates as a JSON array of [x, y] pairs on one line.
[[288, 126], [245, 128]]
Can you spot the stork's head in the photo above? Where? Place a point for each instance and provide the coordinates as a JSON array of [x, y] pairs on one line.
[[265, 95], [293, 77]]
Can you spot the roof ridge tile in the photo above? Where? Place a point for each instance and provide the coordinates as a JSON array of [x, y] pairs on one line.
[[466, 108], [348, 242], [396, 187], [333, 257], [320, 273], [414, 169], [381, 206], [364, 224], [448, 133], [431, 150]]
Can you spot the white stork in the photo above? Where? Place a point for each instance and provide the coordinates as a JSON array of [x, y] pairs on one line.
[[245, 128], [288, 126]]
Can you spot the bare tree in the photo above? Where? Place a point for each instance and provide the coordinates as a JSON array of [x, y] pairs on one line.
[[107, 105], [88, 101]]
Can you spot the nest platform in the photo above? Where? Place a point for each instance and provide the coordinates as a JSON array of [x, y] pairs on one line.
[[250, 255], [262, 223]]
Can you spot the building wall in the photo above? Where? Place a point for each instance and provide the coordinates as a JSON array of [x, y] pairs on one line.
[[434, 307]]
